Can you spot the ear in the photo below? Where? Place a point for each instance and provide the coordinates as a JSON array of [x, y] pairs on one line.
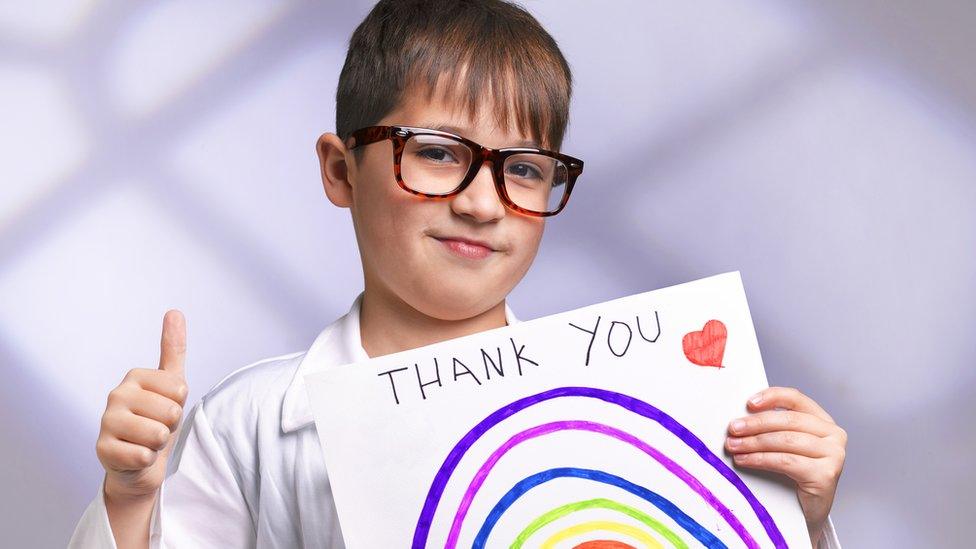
[[335, 170]]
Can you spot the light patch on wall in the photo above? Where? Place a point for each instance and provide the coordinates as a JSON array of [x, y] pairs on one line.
[[43, 22], [42, 139], [170, 45]]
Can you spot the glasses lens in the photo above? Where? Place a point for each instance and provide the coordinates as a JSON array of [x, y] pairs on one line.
[[535, 181], [433, 164]]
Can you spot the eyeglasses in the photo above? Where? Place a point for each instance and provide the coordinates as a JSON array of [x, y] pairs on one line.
[[437, 164]]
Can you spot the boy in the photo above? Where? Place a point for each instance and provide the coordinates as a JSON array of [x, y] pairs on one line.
[[444, 236]]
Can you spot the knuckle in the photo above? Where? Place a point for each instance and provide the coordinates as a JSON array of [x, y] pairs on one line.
[[182, 389], [171, 381], [174, 414], [827, 477], [116, 397], [790, 440], [843, 436], [133, 375], [109, 421], [791, 419], [161, 437], [121, 396], [106, 425], [787, 460], [837, 470], [101, 447], [144, 457], [133, 380]]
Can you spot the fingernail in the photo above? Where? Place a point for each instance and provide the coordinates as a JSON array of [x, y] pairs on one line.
[[738, 425], [734, 442], [756, 398]]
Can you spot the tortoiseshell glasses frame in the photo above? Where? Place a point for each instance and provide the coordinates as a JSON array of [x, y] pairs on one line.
[[480, 154]]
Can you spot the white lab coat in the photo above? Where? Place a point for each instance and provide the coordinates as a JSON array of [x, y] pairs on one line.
[[247, 469]]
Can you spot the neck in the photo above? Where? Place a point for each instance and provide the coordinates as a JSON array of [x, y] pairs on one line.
[[387, 324]]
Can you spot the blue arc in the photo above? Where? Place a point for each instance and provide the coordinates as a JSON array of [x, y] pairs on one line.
[[689, 524]]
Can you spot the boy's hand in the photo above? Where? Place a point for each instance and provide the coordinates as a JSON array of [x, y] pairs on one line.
[[142, 417], [800, 440]]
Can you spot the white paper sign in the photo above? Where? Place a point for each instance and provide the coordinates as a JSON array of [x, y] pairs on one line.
[[598, 427]]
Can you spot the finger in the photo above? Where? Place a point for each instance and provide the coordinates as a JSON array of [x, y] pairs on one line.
[[164, 382], [122, 455], [788, 398], [780, 420], [157, 407], [792, 442], [172, 345], [141, 430], [799, 468]]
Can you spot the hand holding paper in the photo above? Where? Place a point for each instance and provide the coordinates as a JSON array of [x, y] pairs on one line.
[[791, 434]]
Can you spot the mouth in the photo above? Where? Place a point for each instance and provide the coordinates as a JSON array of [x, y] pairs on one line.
[[466, 247]]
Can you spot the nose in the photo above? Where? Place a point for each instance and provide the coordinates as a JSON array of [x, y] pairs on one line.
[[480, 200]]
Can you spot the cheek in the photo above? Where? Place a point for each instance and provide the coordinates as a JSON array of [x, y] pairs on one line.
[[379, 202], [528, 233], [393, 222], [526, 236]]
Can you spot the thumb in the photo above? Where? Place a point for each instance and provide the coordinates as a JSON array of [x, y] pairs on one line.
[[172, 345]]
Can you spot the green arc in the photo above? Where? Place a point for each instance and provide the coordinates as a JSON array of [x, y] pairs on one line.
[[601, 503]]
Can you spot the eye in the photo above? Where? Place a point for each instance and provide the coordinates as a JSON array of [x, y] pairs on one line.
[[436, 154], [523, 169]]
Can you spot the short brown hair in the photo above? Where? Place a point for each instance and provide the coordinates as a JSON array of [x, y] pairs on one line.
[[499, 48]]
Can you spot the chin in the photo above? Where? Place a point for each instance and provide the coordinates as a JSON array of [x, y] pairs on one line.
[[454, 301]]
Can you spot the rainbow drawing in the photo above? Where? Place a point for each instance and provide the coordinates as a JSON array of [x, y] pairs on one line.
[[690, 529]]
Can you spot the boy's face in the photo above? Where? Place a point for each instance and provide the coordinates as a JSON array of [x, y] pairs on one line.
[[402, 237]]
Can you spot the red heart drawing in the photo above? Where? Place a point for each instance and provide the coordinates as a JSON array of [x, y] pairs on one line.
[[706, 347]]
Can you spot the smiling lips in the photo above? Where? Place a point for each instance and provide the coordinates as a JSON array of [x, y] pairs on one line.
[[471, 249]]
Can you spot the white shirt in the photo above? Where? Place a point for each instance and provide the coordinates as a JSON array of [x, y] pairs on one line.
[[247, 469]]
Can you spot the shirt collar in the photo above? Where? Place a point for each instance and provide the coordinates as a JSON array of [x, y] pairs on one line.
[[339, 343]]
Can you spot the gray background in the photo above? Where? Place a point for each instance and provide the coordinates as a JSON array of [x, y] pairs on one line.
[[162, 155]]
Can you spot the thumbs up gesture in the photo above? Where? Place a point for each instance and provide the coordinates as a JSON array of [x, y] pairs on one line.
[[142, 417]]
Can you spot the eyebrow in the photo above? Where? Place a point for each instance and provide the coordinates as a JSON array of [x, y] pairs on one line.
[[460, 131]]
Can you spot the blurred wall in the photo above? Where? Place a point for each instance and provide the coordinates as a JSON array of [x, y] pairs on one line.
[[158, 155]]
